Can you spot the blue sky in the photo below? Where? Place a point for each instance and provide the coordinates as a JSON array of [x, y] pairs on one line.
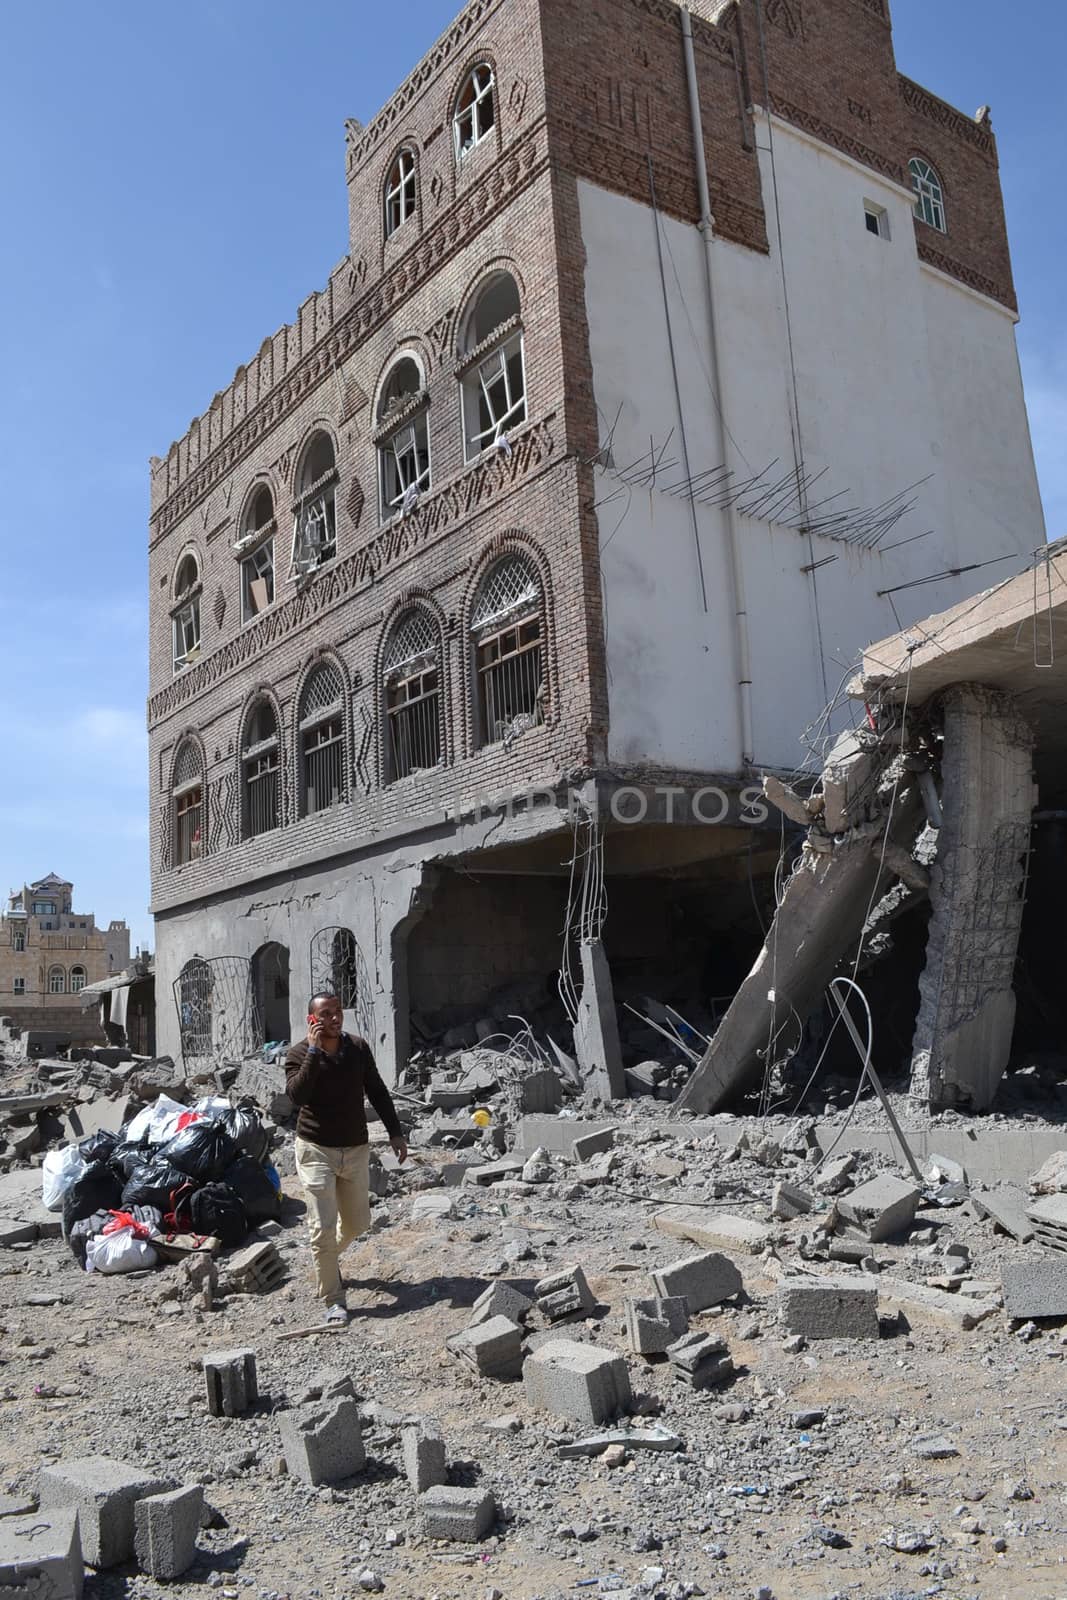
[[173, 186]]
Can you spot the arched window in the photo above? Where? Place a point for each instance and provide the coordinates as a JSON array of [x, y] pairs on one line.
[[506, 633], [411, 673], [187, 797], [315, 520], [185, 614], [261, 770], [475, 111], [256, 548], [929, 195], [403, 439], [321, 734], [494, 383], [194, 994], [77, 980], [400, 192], [57, 980]]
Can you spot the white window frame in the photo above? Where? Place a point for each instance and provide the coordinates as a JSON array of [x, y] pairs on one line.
[[399, 454], [879, 216], [401, 194], [20, 986], [929, 194], [57, 980], [484, 90], [78, 978], [477, 383], [257, 566], [19, 942], [314, 533]]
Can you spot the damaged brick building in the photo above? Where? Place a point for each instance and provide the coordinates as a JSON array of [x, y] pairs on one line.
[[49, 953], [673, 345]]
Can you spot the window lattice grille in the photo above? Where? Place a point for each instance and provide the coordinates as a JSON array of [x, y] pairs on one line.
[[323, 692], [187, 768], [509, 586], [414, 636]]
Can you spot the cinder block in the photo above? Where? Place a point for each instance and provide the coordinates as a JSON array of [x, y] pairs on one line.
[[577, 1381], [704, 1280], [230, 1376], [165, 1530], [41, 1556], [104, 1493], [789, 1200], [500, 1300], [652, 1325], [564, 1294], [828, 1308], [701, 1360], [492, 1348], [540, 1093], [322, 1442], [424, 1454], [462, 1514], [882, 1208], [1035, 1288], [592, 1144]]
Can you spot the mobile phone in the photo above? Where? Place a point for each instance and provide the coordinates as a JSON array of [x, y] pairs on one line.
[[311, 1019]]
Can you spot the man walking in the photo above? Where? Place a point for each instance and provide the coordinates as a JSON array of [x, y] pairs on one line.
[[327, 1077]]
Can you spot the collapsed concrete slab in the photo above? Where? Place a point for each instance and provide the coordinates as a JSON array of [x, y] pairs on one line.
[[717, 1231], [963, 1031]]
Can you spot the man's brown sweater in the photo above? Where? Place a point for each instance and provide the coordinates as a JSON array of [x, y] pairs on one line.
[[329, 1091]]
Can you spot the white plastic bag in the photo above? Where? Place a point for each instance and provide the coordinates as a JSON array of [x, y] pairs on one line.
[[121, 1251], [59, 1170], [212, 1105], [159, 1121]]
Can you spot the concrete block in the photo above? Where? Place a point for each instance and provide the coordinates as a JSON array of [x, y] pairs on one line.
[[652, 1325], [702, 1360], [466, 1515], [554, 1133], [592, 1144], [165, 1530], [103, 1493], [1049, 1220], [230, 1377], [920, 1300], [493, 1348], [1035, 1288], [704, 1280], [257, 1268], [424, 1454], [577, 1381], [713, 1232], [500, 1300], [834, 1177], [494, 1171], [540, 1093], [789, 1200], [882, 1208], [1005, 1207], [828, 1308], [322, 1442], [564, 1294], [41, 1556]]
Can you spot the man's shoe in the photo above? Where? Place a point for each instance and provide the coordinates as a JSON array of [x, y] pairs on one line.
[[337, 1316]]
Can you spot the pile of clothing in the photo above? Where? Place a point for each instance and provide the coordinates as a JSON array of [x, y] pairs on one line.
[[172, 1170]]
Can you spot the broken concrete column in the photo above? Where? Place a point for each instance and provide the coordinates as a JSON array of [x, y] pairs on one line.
[[966, 1005], [596, 1032], [822, 913]]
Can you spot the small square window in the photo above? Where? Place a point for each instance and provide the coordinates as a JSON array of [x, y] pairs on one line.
[[876, 219]]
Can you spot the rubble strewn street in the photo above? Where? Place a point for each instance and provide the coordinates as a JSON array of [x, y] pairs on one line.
[[623, 1366]]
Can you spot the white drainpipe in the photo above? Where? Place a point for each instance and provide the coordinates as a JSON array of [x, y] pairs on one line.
[[707, 230]]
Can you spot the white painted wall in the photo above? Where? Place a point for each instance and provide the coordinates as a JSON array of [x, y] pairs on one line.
[[902, 375]]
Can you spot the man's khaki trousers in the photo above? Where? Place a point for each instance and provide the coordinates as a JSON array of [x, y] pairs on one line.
[[335, 1180]]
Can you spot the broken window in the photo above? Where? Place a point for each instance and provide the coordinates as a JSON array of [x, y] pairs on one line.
[[261, 762], [57, 980], [188, 797], [400, 192], [256, 549], [185, 616], [315, 514], [494, 384], [322, 740], [411, 670], [77, 980], [475, 111], [929, 195], [403, 450], [506, 628]]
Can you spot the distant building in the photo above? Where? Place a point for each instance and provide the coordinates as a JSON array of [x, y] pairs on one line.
[[49, 953]]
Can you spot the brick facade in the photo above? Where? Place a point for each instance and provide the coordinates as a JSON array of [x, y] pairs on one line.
[[47, 956]]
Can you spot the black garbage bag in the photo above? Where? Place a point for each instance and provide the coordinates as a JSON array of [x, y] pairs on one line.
[[125, 1157], [247, 1131], [217, 1209], [202, 1151], [98, 1146], [97, 1189], [260, 1198], [83, 1231], [153, 1184]]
